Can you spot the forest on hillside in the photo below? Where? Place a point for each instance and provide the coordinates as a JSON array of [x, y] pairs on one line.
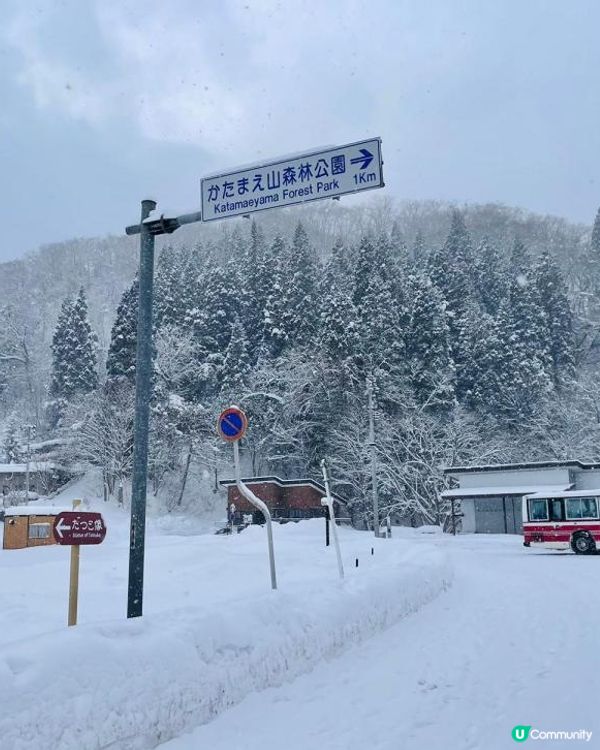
[[474, 332]]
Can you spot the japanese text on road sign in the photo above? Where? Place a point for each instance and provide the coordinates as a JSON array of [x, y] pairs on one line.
[[327, 173], [79, 528]]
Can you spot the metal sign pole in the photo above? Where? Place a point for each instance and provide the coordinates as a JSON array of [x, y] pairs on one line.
[[148, 228], [251, 498], [143, 394]]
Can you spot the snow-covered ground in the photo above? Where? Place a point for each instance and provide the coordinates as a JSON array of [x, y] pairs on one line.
[[212, 633], [513, 641], [395, 657]]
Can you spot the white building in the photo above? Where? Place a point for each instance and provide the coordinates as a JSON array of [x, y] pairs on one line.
[[489, 497]]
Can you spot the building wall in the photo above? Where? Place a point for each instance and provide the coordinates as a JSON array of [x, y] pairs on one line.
[[302, 497], [514, 514], [587, 480], [16, 532], [468, 524], [520, 477], [493, 514], [268, 492], [299, 497]]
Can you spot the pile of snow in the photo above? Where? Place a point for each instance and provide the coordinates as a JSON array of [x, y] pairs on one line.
[[43, 507], [35, 467], [213, 631], [429, 529]]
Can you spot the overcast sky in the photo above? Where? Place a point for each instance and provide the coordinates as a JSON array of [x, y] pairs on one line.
[[109, 101]]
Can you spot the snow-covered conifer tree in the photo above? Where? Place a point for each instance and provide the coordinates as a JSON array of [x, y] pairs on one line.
[[339, 323], [218, 307], [451, 271], [525, 375], [258, 264], [594, 253], [120, 363], [490, 276], [418, 251], [431, 369], [170, 287], [74, 344], [11, 445], [84, 344], [300, 284], [60, 387], [275, 336], [236, 366], [552, 295], [450, 267], [365, 264]]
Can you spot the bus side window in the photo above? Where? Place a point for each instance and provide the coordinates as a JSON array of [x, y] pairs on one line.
[[538, 510], [582, 507], [556, 510]]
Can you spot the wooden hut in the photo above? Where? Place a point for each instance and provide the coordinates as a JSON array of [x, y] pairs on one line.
[[29, 526]]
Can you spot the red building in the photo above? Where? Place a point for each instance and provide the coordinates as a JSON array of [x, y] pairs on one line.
[[287, 499]]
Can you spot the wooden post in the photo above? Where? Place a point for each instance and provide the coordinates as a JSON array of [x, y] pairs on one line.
[[74, 579], [74, 585]]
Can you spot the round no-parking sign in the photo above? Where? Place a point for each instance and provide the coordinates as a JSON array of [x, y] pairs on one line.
[[232, 424]]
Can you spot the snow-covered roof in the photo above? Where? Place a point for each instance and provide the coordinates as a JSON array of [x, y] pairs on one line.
[[34, 467], [542, 494], [53, 443], [35, 510], [489, 491], [569, 463]]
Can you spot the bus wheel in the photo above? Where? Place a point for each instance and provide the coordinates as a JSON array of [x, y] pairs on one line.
[[583, 544]]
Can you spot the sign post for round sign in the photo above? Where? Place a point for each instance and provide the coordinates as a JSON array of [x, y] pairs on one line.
[[232, 425], [327, 501]]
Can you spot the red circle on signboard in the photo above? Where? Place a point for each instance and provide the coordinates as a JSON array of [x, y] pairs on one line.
[[232, 424]]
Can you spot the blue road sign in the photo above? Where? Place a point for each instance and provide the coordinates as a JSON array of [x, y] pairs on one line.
[[232, 424], [325, 173]]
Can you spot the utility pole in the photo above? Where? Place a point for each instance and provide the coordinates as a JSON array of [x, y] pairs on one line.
[[373, 456], [143, 393], [147, 229], [28, 428]]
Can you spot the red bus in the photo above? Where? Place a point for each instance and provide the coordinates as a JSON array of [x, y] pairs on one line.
[[563, 520]]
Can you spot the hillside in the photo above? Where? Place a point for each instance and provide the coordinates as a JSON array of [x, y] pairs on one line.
[[472, 326]]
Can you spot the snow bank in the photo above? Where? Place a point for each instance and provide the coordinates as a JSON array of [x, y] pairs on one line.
[[128, 685]]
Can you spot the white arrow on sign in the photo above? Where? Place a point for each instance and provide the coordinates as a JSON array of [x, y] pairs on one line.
[[61, 526]]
